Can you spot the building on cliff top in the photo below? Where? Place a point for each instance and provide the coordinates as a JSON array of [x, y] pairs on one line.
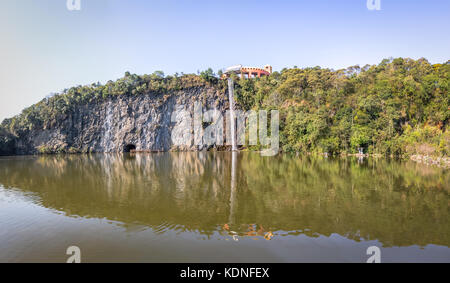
[[249, 72]]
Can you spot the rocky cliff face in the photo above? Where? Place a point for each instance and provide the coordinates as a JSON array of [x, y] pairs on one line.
[[7, 143], [119, 123]]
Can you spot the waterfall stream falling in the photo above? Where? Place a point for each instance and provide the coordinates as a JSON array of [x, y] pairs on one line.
[[232, 119]]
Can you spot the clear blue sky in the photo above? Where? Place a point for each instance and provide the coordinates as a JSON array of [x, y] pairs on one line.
[[45, 48]]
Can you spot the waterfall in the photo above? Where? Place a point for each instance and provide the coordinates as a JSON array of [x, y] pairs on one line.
[[233, 188], [232, 120]]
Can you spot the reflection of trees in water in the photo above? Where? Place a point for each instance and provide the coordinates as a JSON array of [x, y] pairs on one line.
[[178, 189], [396, 203], [400, 204]]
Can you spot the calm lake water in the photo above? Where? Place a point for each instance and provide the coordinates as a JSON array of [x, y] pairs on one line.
[[221, 207]]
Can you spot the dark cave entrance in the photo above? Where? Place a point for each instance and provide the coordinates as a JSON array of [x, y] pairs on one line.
[[129, 147]]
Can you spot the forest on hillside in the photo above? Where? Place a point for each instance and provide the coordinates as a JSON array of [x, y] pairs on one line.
[[398, 107]]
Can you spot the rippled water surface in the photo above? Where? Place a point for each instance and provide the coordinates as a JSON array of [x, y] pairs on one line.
[[221, 207]]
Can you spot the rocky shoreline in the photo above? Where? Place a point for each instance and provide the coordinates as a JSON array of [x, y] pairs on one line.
[[442, 162]]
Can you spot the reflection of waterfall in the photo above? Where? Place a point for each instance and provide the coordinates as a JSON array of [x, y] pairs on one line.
[[232, 122], [107, 166], [233, 193], [106, 144]]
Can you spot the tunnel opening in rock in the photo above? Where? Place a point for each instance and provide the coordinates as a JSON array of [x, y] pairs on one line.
[[129, 148]]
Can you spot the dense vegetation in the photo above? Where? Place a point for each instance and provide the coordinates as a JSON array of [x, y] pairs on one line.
[[398, 107], [7, 141]]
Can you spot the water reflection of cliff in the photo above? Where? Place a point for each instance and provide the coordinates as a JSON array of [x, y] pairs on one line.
[[398, 204]]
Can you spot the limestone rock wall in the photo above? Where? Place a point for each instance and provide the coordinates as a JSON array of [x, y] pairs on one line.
[[110, 125]]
